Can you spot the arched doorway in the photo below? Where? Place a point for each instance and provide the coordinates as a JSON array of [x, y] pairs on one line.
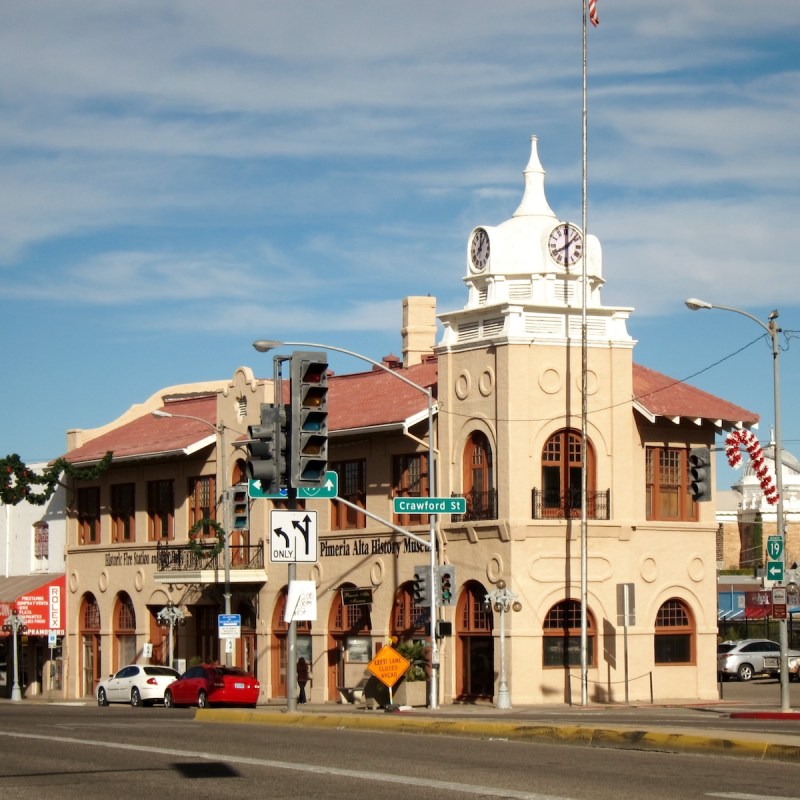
[[247, 654], [349, 643], [474, 645], [91, 651], [279, 648]]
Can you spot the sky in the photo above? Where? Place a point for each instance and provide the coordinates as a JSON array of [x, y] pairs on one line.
[[180, 178]]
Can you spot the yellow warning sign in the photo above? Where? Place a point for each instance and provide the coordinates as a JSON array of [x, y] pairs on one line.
[[388, 666]]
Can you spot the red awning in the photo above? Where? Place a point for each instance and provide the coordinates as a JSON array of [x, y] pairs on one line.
[[39, 601]]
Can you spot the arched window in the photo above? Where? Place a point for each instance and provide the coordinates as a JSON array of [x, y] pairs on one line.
[[561, 491], [409, 621], [673, 642], [478, 478], [124, 631], [89, 622], [562, 636]]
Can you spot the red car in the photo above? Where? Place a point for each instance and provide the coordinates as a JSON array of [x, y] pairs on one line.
[[213, 684]]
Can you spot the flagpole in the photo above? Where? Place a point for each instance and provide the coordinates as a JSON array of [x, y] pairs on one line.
[[584, 382]]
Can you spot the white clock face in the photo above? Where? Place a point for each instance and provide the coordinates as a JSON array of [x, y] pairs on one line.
[[565, 244], [479, 250]]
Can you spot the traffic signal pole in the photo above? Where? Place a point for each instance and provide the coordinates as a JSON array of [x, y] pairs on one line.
[[280, 459], [263, 346]]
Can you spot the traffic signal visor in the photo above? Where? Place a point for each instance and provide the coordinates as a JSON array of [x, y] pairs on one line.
[[309, 389], [240, 516], [700, 474]]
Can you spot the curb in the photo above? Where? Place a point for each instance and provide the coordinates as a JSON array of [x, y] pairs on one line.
[[619, 738]]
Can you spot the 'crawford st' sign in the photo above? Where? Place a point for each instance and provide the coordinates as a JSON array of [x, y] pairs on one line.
[[429, 505]]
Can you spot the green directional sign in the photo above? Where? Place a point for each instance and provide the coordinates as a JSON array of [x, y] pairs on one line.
[[328, 490], [775, 571], [429, 505]]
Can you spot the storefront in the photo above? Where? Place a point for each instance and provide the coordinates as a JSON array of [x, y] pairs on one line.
[[38, 602]]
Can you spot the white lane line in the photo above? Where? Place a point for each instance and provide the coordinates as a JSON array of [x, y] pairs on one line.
[[741, 796], [381, 777]]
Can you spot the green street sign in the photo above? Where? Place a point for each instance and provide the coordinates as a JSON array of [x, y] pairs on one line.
[[429, 505], [328, 490], [775, 570]]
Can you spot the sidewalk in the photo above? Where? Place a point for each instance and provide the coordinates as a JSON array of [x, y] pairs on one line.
[[679, 727]]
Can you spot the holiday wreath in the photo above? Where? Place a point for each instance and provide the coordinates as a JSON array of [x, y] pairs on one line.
[[197, 534]]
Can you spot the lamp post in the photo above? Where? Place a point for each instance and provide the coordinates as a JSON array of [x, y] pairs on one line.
[[263, 346], [14, 625], [223, 483], [503, 600], [171, 615], [771, 327]]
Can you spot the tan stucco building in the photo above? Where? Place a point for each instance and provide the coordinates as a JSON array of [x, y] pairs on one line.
[[507, 378]]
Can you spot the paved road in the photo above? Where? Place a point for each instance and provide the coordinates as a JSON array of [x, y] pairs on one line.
[[84, 752]]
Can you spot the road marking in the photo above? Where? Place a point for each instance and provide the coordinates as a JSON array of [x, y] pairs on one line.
[[740, 796], [405, 780]]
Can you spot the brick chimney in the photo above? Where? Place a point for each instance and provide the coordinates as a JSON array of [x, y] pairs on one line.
[[419, 329]]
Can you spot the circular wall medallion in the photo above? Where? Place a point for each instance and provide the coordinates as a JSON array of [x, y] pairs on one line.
[[73, 581], [463, 385], [550, 381], [138, 580], [591, 382], [486, 382], [697, 569], [648, 569], [376, 573], [102, 581], [494, 568]]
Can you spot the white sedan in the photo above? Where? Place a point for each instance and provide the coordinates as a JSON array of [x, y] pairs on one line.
[[137, 684]]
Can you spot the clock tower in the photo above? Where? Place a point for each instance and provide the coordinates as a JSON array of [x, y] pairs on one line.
[[511, 360]]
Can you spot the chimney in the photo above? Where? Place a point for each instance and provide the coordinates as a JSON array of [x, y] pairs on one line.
[[419, 329]]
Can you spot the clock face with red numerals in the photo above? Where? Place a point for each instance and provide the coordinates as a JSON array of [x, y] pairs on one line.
[[479, 250], [565, 244]]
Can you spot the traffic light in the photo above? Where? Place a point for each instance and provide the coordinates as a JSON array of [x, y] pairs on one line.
[[239, 507], [700, 474], [309, 420], [445, 584], [421, 591], [267, 449]]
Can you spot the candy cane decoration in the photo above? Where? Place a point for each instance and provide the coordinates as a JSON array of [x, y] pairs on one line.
[[750, 443]]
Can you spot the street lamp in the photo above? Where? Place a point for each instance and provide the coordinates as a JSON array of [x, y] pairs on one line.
[[220, 430], [263, 346], [14, 625], [171, 615], [503, 600], [771, 327]]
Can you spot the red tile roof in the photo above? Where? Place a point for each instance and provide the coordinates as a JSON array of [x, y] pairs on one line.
[[150, 436], [371, 400], [663, 396]]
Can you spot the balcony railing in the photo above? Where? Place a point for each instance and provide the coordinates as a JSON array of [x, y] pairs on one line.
[[178, 558], [567, 505], [480, 505]]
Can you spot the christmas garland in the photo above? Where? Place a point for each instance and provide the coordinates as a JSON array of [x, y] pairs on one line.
[[198, 531], [17, 481], [750, 443]]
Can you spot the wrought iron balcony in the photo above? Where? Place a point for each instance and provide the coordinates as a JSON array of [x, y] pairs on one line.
[[549, 504], [480, 506], [179, 564]]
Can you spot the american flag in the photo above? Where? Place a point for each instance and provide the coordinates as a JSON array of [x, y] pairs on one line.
[[593, 18]]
